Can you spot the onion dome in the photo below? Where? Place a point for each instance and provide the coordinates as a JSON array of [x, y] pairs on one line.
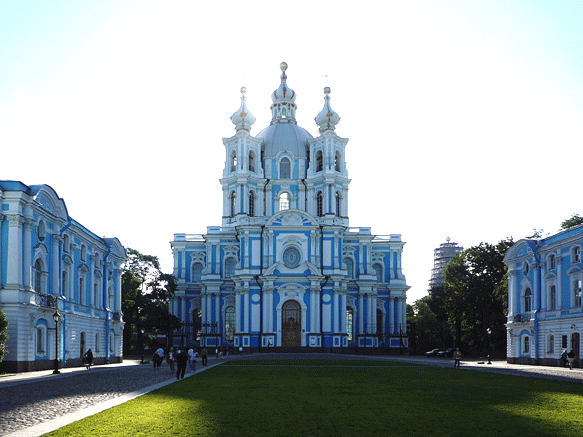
[[242, 118], [283, 108], [327, 119]]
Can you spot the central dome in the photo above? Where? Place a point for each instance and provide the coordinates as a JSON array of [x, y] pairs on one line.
[[284, 136]]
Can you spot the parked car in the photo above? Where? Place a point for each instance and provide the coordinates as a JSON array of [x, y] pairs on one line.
[[446, 353], [433, 352]]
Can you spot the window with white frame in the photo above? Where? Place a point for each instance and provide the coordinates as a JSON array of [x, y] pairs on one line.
[[41, 345], [338, 204], [552, 298], [378, 272], [82, 290], [526, 344], [65, 284], [551, 344], [337, 158], [319, 204], [576, 254], [38, 276], [552, 262], [283, 201], [284, 168], [577, 292], [96, 295], [233, 159], [350, 323], [527, 300], [251, 161], [252, 204], [232, 198], [230, 264], [349, 265], [196, 272], [525, 268], [230, 323], [319, 161]]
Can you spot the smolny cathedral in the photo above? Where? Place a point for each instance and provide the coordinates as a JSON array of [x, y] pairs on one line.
[[285, 269]]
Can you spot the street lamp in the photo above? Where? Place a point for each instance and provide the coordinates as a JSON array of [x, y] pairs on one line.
[[56, 318], [489, 332]]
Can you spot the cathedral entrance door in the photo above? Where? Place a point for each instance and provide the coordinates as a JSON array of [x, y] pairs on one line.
[[291, 324]]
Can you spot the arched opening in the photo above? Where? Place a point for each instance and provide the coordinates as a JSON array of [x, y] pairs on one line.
[[319, 161], [284, 168], [378, 272], [291, 324], [230, 323], [319, 204], [527, 300], [230, 267], [38, 276], [349, 265], [337, 157], [283, 201], [252, 204], [196, 272], [232, 198], [252, 161], [233, 161], [338, 204]]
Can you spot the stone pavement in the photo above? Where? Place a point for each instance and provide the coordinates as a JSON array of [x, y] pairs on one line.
[[35, 403]]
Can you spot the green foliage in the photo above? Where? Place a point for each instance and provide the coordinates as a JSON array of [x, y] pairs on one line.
[[575, 220], [146, 292], [3, 335], [431, 330], [343, 398], [475, 297]]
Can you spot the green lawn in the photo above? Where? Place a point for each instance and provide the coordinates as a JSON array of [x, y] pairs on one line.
[[345, 398]]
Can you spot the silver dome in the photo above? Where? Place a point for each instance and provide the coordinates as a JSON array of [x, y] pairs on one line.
[[284, 136]]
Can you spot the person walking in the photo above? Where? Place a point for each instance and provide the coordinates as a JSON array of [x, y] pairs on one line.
[[457, 359], [192, 359], [564, 358], [171, 359], [89, 358], [571, 358], [204, 356], [181, 360]]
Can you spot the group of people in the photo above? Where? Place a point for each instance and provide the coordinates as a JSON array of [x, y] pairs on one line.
[[568, 357], [181, 358]]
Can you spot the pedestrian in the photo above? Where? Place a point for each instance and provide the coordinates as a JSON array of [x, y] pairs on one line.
[[204, 356], [564, 358], [217, 352], [457, 358], [89, 358], [171, 359], [192, 359], [181, 360], [571, 358], [158, 358]]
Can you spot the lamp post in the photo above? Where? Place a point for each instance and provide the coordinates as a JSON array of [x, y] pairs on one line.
[[488, 332], [56, 318]]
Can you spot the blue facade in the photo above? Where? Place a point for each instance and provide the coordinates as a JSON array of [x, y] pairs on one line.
[[285, 269], [545, 312], [50, 262]]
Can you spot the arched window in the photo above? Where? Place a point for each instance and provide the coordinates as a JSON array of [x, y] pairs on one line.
[[230, 264], [96, 295], [232, 204], [552, 262], [350, 323], [284, 168], [319, 161], [82, 290], [577, 292], [553, 298], [196, 272], [319, 204], [378, 272], [229, 323], [338, 204], [283, 201], [65, 284], [527, 300], [233, 163], [349, 267], [252, 204], [251, 161], [38, 276], [337, 161]]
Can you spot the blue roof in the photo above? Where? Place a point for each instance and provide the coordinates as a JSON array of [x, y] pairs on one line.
[[284, 136]]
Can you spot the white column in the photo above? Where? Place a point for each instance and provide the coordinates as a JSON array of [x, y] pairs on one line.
[[238, 308], [14, 262], [27, 262], [360, 313], [559, 261], [1, 220], [391, 314], [217, 311], [56, 271], [343, 313]]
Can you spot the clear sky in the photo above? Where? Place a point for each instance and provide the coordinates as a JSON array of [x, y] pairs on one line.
[[464, 118]]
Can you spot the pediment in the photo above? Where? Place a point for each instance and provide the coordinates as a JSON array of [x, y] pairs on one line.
[[292, 218]]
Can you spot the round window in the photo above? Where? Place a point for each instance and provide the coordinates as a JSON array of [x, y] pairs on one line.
[[291, 257]]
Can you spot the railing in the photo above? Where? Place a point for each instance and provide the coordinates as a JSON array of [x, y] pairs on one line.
[[45, 300], [523, 317]]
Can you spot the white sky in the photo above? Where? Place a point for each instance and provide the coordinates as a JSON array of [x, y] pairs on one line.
[[464, 118]]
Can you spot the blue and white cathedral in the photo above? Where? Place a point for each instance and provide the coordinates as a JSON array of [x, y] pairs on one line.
[[285, 270]]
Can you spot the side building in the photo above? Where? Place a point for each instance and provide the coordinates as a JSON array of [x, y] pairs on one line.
[[285, 270], [545, 312], [49, 262]]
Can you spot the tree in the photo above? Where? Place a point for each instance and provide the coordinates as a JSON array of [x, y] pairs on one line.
[[3, 335], [575, 220], [146, 293], [430, 330], [475, 297]]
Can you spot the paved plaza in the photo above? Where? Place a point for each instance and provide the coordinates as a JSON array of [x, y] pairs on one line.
[[35, 403]]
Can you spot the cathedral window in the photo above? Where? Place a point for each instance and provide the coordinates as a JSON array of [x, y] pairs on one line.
[[83, 252], [319, 161], [252, 161], [337, 161], [527, 300], [233, 163], [319, 204], [41, 346], [552, 262], [284, 168], [349, 267], [378, 272], [230, 323], [38, 276], [350, 323], [577, 292], [196, 272], [552, 298], [65, 284], [232, 204], [96, 295], [338, 204], [252, 204], [283, 201], [66, 243], [230, 267], [82, 291], [576, 254]]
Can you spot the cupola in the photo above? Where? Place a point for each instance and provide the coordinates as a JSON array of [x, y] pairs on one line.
[[327, 119], [283, 108], [242, 118]]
